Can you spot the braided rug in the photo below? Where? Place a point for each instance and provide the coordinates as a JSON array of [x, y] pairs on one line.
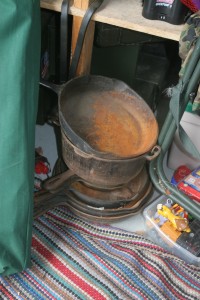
[[77, 259]]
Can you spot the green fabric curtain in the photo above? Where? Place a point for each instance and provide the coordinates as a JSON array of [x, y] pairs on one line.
[[19, 77]]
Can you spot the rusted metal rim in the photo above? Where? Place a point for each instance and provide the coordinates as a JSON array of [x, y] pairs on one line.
[[105, 117]]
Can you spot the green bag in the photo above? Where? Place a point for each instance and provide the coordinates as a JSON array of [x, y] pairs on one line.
[[19, 78]]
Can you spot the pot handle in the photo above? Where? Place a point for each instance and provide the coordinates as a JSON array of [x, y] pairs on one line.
[[56, 88], [53, 118], [155, 151], [59, 182], [51, 195], [44, 201]]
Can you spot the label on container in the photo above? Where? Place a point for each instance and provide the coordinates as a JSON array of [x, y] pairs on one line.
[[164, 3]]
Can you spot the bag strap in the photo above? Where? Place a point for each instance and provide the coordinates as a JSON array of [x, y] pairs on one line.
[[85, 22], [65, 41], [176, 103]]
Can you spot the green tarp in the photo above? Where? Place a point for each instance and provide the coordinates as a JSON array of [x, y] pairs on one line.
[[19, 77]]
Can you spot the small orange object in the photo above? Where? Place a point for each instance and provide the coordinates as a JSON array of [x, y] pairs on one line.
[[170, 231]]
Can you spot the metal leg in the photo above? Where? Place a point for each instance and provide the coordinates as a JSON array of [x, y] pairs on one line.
[[187, 86]]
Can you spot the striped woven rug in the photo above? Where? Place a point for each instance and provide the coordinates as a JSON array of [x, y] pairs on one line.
[[76, 259]]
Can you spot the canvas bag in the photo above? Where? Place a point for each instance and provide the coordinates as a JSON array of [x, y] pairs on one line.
[[19, 78]]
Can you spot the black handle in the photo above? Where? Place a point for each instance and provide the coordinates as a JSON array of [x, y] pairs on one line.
[[79, 44], [65, 41], [59, 182]]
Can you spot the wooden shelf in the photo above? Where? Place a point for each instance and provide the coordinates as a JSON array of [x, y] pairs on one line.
[[125, 14]]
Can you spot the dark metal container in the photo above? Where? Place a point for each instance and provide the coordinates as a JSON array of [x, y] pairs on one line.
[[171, 11]]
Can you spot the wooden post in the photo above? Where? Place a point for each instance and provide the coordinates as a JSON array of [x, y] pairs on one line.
[[86, 54]]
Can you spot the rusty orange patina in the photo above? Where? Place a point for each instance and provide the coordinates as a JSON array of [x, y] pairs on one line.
[[121, 128]]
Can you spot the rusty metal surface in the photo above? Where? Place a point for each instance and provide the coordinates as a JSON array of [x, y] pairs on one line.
[[108, 215], [121, 128], [115, 197], [44, 201], [96, 196], [108, 116], [97, 171]]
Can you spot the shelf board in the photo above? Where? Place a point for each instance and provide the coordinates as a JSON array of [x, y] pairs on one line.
[[125, 14]]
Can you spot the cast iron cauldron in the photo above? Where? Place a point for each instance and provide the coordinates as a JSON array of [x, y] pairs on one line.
[[107, 129], [95, 171], [105, 117]]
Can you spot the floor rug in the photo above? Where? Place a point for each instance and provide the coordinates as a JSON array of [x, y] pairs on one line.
[[77, 259]]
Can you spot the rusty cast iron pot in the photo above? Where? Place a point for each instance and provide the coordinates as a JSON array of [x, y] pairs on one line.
[[105, 117], [100, 171], [108, 131], [96, 171]]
